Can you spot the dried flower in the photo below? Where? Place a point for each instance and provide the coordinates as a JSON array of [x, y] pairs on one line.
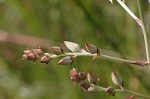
[[45, 59], [29, 55], [73, 46], [82, 75], [93, 50], [85, 80], [117, 80], [141, 63], [77, 77], [38, 52], [68, 60], [74, 76], [27, 51], [92, 79], [24, 57], [110, 91], [57, 50], [85, 86]]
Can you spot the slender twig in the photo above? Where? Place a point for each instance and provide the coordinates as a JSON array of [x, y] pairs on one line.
[[99, 88], [133, 93], [144, 32], [130, 12], [92, 55], [117, 59], [140, 22]]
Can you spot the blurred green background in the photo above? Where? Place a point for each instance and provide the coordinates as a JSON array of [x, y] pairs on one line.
[[33, 23]]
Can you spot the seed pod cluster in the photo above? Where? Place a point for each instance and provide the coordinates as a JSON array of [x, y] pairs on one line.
[[34, 54], [83, 79]]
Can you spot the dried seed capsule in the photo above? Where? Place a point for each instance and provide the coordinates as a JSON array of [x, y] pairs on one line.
[[45, 59], [117, 80], [24, 57], [74, 47], [39, 52], [74, 76], [91, 48], [110, 91], [82, 75], [85, 86], [68, 60], [57, 50], [27, 51], [29, 55], [92, 79]]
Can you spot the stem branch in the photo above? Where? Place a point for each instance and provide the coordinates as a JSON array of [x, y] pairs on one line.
[[98, 88], [144, 32], [92, 55], [123, 5], [132, 93], [140, 22]]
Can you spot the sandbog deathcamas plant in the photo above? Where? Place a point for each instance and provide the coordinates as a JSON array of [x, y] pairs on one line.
[[87, 80]]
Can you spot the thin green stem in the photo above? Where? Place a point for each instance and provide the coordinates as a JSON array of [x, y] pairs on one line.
[[117, 59], [144, 32], [126, 91], [132, 93], [92, 55]]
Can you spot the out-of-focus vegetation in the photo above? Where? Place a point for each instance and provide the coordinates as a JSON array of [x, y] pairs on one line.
[[33, 23]]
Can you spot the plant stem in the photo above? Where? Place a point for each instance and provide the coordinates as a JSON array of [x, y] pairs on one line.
[[117, 59], [132, 93], [144, 32], [98, 88], [140, 22], [123, 5], [92, 55]]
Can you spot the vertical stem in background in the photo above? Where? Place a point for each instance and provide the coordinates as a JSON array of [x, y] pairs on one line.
[[140, 22], [144, 31], [129, 12]]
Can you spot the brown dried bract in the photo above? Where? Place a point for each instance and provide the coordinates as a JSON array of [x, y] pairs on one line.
[[141, 63]]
